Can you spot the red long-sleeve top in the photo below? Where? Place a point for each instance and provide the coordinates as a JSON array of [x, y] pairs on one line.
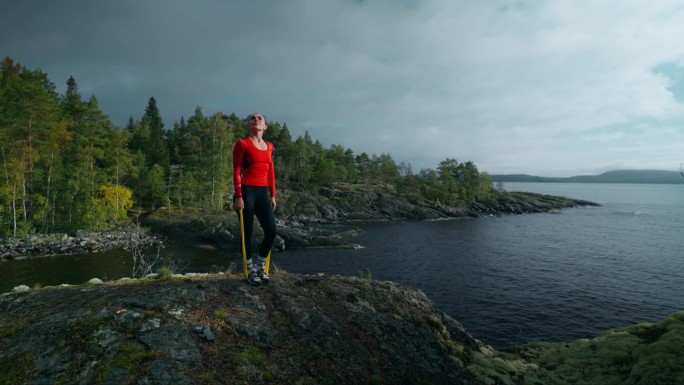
[[252, 166]]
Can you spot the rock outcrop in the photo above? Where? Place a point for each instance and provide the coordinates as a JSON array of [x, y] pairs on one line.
[[218, 330], [299, 329]]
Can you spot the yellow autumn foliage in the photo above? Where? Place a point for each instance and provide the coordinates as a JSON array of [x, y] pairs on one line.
[[119, 198], [109, 206]]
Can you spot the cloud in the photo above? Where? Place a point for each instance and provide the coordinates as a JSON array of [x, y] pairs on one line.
[[537, 87]]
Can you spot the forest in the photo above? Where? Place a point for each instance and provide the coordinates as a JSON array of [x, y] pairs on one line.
[[64, 166]]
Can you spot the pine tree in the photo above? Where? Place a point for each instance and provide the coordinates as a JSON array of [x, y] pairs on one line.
[[157, 152], [283, 157], [72, 105], [29, 112], [366, 169]]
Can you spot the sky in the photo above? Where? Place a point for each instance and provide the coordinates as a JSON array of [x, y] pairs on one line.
[[540, 87]]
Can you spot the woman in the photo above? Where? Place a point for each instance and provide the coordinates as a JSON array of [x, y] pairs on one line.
[[255, 193]]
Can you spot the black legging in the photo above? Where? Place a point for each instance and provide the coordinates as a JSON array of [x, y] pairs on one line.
[[258, 201]]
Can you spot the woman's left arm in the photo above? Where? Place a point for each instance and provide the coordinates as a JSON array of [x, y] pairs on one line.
[[272, 179]]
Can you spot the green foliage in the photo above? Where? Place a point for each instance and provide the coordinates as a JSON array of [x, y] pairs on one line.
[[644, 354], [153, 187], [29, 112], [108, 207], [220, 314], [57, 153], [251, 356], [130, 355], [157, 152], [165, 273]]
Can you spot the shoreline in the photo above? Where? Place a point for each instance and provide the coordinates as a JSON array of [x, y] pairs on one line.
[[78, 242], [314, 231]]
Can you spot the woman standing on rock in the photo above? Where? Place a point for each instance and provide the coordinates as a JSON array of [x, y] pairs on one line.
[[255, 193]]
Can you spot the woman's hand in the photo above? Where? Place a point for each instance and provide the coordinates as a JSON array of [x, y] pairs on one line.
[[273, 203], [238, 204]]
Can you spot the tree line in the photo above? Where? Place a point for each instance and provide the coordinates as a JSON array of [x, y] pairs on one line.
[[64, 166]]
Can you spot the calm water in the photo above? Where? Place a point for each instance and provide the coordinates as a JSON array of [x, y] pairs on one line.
[[508, 280]]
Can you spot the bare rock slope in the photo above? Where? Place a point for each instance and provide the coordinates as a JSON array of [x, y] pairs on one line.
[[218, 330]]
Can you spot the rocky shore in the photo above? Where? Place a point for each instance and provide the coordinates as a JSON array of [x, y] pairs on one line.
[[327, 219], [305, 220], [80, 242]]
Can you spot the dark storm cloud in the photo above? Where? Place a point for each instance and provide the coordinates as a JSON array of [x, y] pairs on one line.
[[421, 80]]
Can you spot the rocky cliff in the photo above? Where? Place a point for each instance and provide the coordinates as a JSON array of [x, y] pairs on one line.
[[218, 330], [299, 329]]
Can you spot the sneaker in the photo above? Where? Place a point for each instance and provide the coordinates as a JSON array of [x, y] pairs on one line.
[[253, 278], [263, 276]]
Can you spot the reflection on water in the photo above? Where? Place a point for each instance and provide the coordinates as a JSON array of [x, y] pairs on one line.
[[110, 265]]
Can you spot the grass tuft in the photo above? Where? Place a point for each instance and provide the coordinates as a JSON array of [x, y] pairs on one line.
[[165, 273], [252, 356], [130, 355], [220, 314]]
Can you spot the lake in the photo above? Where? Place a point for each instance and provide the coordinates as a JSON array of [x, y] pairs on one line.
[[509, 280]]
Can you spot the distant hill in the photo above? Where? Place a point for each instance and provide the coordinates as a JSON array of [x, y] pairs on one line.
[[618, 176]]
